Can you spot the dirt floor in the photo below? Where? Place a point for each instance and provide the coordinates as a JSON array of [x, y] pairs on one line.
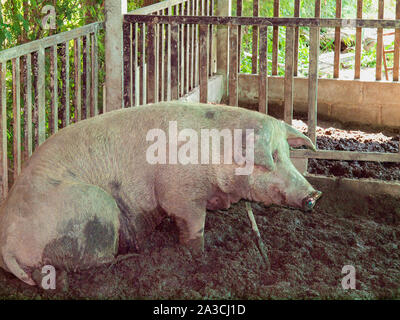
[[333, 136], [307, 252]]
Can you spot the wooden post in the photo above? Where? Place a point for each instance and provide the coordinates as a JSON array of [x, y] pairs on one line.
[[114, 10], [336, 64], [77, 73], [224, 8], [233, 70], [3, 131], [16, 115], [203, 63], [263, 74], [239, 9], [313, 83], [396, 46], [41, 94], [151, 63], [357, 67], [296, 38], [28, 107], [275, 40], [379, 43], [288, 101], [254, 57]]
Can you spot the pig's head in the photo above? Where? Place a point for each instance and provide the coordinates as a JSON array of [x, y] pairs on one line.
[[275, 180]]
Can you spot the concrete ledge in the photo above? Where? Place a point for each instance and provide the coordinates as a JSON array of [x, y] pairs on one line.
[[360, 186], [366, 102], [215, 91]]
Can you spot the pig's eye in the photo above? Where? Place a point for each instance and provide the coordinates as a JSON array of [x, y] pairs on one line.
[[275, 156]]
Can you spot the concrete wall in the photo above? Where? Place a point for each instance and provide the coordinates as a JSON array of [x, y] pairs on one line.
[[364, 102]]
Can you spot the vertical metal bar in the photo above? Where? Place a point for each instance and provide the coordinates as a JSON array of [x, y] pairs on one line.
[[94, 109], [254, 57], [313, 83], [296, 38], [275, 41], [3, 131], [336, 63], [151, 63], [233, 70], [127, 67], [174, 61], [41, 94], [357, 67], [203, 63], [77, 73], [263, 74], [288, 90], [396, 55], [16, 72], [379, 42], [28, 107], [54, 89]]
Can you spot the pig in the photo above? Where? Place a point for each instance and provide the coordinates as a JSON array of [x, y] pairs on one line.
[[89, 193]]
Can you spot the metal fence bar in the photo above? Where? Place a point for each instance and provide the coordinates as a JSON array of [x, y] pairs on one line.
[[3, 131], [41, 96], [16, 72]]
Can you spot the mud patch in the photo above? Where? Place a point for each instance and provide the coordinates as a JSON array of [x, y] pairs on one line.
[[307, 252]]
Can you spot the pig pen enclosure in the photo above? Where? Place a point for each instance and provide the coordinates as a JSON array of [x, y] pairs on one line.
[[192, 50]]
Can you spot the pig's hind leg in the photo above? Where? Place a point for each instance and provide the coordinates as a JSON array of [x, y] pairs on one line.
[[88, 230]]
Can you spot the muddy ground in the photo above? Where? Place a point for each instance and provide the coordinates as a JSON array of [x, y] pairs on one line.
[[333, 137], [307, 252]]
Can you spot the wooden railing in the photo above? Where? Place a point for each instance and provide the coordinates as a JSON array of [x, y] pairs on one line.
[[41, 100], [337, 40], [262, 24], [166, 61]]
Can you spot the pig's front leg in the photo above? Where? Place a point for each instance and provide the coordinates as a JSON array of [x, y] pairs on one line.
[[190, 219]]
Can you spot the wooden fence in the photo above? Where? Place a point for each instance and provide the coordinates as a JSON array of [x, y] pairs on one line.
[[337, 42], [41, 100], [176, 23], [165, 61]]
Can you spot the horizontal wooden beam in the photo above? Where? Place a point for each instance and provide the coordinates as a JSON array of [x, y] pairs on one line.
[[262, 21], [33, 46], [346, 155], [157, 7]]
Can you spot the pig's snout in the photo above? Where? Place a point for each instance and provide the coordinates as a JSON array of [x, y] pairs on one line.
[[310, 200]]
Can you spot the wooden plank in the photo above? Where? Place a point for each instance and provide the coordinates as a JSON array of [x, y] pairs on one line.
[[239, 10], [357, 65], [197, 48], [192, 45], [49, 41], [289, 84], [263, 74], [174, 61], [156, 7], [296, 38], [126, 29], [203, 63], [77, 83], [53, 123], [16, 73], [313, 83], [141, 46], [94, 108], [379, 42], [151, 63], [262, 21], [275, 41], [65, 81], [87, 73], [254, 56], [161, 52], [317, 9], [28, 108], [3, 132], [346, 155], [336, 63], [233, 69], [210, 40], [396, 55], [41, 96]]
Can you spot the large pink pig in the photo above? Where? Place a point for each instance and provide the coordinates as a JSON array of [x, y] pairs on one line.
[[92, 191]]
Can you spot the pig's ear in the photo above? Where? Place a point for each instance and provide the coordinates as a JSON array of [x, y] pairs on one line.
[[296, 139]]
